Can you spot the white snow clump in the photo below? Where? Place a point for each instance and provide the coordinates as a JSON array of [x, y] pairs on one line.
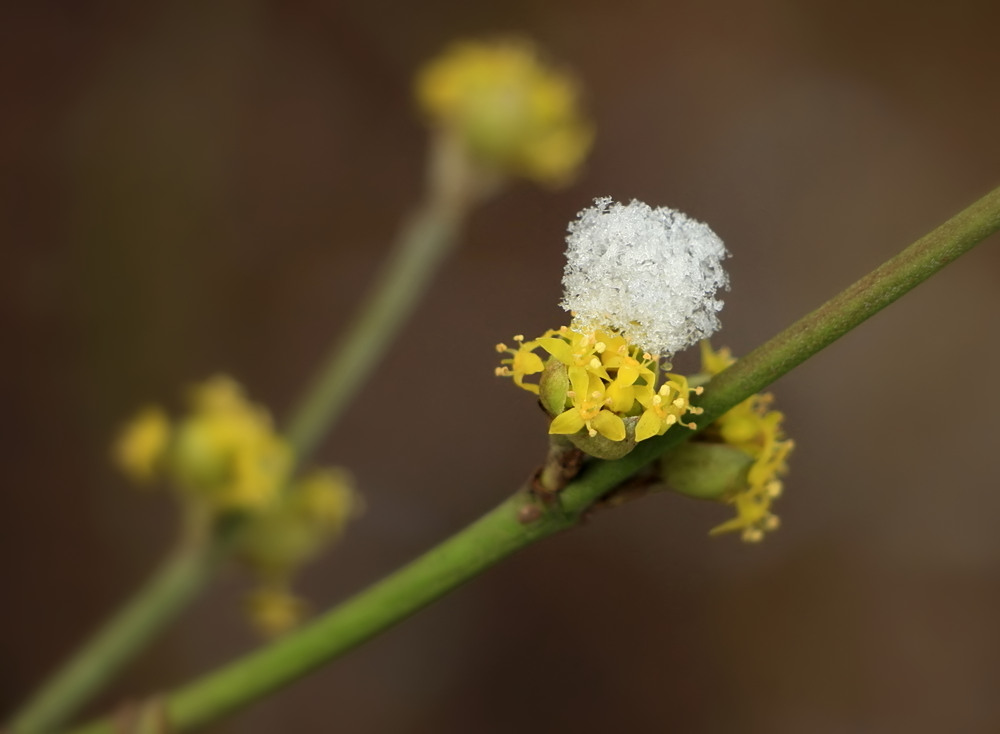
[[647, 274]]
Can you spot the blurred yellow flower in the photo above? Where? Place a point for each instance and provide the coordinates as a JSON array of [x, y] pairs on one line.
[[294, 529], [142, 443], [508, 110], [273, 610]]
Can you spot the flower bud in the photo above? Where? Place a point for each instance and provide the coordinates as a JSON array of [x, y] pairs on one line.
[[553, 386], [710, 471]]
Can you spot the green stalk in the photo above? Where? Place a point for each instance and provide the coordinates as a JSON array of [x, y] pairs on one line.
[[416, 257], [454, 186], [521, 520], [176, 583]]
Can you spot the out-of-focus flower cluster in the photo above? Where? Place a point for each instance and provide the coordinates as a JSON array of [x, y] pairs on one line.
[[754, 429], [275, 544], [507, 110], [224, 454], [224, 457]]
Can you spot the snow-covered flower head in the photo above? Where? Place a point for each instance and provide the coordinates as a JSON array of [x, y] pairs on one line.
[[648, 274]]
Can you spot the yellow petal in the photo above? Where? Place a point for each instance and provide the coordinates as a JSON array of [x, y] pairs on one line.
[[567, 422], [527, 363], [609, 425], [558, 348], [647, 427], [627, 374], [621, 396]]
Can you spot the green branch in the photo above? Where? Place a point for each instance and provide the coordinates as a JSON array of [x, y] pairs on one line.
[[455, 185], [521, 520], [424, 244], [164, 595]]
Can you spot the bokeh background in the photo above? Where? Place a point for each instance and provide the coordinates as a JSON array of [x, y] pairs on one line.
[[187, 188]]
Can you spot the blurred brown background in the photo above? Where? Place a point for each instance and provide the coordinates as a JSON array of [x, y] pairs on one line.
[[205, 187]]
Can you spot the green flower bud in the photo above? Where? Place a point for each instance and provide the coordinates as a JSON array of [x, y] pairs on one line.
[[553, 386], [710, 471]]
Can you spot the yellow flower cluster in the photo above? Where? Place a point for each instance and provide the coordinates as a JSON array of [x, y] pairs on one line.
[[608, 387], [754, 429], [224, 455], [506, 109], [275, 544]]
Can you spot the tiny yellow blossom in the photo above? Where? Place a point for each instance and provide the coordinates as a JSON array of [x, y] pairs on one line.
[[588, 411], [665, 407], [274, 610], [140, 448], [298, 525], [713, 362], [523, 362], [507, 109]]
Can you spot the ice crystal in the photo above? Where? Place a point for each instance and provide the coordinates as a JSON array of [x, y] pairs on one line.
[[648, 274]]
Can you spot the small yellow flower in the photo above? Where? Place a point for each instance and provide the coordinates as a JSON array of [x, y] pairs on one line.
[[713, 362], [273, 610], [588, 411], [578, 351], [507, 109], [299, 524], [523, 362], [630, 362], [665, 407], [327, 498], [140, 448]]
